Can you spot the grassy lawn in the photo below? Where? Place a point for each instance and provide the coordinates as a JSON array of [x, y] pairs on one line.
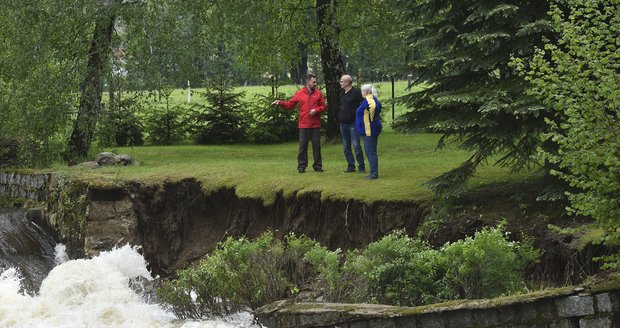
[[405, 163]]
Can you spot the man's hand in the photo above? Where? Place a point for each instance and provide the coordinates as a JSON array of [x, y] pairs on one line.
[[276, 102], [312, 112]]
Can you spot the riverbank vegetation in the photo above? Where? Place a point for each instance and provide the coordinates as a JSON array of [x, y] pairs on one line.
[[395, 270]]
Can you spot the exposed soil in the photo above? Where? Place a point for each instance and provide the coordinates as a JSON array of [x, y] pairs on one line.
[[178, 223]]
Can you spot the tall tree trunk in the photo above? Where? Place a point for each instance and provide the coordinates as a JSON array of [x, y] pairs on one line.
[[299, 71], [91, 88], [331, 61]]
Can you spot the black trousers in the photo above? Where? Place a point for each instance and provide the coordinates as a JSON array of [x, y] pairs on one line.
[[306, 135]]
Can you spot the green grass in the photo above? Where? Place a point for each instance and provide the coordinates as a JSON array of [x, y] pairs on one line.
[[179, 96], [406, 162]]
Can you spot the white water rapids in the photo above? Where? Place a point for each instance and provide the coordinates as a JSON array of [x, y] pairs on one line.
[[93, 293]]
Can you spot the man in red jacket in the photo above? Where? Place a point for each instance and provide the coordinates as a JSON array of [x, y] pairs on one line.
[[311, 105]]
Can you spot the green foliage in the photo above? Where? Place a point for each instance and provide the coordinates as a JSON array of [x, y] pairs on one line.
[[120, 125], [395, 270], [299, 269], [273, 124], [223, 119], [327, 264], [474, 97], [165, 126], [9, 152], [487, 265], [40, 73], [579, 78], [240, 274]]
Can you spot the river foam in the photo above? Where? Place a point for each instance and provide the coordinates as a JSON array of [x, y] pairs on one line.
[[93, 293]]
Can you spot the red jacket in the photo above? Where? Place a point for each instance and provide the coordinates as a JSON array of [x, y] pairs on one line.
[[307, 102]]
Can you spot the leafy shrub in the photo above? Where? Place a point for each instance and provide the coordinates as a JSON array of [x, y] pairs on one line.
[[273, 124], [395, 270], [327, 264], [240, 274], [298, 268], [487, 265]]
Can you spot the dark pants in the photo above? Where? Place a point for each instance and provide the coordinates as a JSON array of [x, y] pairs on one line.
[[370, 146], [350, 137], [305, 135]]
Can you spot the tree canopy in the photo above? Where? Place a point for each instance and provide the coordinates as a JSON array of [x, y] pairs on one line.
[[474, 96]]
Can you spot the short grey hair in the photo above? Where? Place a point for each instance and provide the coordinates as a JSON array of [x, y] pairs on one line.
[[369, 89]]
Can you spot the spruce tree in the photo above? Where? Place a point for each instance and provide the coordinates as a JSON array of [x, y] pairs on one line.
[[223, 119], [473, 94]]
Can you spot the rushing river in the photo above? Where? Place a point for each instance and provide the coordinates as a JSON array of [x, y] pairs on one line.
[[94, 292]]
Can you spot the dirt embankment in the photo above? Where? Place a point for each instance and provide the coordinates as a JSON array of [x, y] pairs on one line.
[[178, 223]]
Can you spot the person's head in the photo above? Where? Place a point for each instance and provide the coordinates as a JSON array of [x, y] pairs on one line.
[[346, 82], [368, 89], [311, 81]]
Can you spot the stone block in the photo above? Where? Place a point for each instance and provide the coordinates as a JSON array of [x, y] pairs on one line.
[[564, 323], [432, 321], [575, 306], [406, 322], [485, 318], [546, 311], [101, 211], [359, 324], [604, 303], [506, 314], [319, 319], [267, 321], [286, 321], [460, 319], [39, 181], [382, 323], [603, 322]]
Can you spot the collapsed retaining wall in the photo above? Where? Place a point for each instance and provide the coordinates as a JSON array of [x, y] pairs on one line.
[[563, 308]]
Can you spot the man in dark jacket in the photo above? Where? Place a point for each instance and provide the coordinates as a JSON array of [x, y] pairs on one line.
[[350, 99], [311, 104]]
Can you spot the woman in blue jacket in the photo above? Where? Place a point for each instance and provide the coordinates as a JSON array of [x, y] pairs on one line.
[[369, 126]]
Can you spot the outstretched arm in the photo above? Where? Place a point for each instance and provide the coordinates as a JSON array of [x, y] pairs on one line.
[[287, 104]]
